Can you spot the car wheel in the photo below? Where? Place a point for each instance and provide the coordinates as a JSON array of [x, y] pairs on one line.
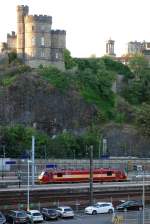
[[125, 209], [110, 211], [94, 212]]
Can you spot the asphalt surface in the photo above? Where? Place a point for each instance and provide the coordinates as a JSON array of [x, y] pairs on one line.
[[133, 217], [85, 219]]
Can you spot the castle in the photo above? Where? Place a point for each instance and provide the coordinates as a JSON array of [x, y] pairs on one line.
[[35, 42]]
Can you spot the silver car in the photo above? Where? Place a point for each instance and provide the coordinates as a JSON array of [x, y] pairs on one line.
[[65, 211]]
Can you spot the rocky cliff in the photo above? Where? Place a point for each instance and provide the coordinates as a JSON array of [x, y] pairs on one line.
[[30, 99]]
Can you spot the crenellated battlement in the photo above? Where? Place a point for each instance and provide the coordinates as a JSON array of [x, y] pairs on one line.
[[63, 32], [12, 34], [38, 18], [22, 7]]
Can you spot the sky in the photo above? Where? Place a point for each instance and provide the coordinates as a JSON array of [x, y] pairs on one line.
[[88, 23]]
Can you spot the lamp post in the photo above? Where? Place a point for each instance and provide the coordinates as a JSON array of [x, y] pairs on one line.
[[3, 161], [143, 199], [33, 156], [91, 174], [28, 186]]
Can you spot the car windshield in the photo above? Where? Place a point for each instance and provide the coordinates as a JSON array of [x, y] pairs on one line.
[[68, 210], [51, 211], [96, 205], [36, 214], [21, 214], [127, 203]]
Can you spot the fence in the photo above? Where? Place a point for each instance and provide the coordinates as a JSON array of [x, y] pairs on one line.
[[20, 167]]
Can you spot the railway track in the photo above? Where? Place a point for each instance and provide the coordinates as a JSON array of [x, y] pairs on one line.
[[53, 195]]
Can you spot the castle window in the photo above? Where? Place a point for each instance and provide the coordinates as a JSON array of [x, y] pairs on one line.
[[42, 54], [57, 55], [42, 28], [33, 41], [32, 28], [42, 41]]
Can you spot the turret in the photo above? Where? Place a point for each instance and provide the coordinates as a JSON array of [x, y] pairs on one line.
[[58, 44], [22, 11], [110, 47]]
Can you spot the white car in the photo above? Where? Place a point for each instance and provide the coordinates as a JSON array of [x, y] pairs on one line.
[[100, 207], [35, 216], [65, 211]]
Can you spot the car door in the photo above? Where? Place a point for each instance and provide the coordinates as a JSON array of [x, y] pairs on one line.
[[97, 208], [134, 205], [101, 208]]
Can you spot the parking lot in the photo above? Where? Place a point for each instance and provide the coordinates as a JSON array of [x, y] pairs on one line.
[[83, 218], [134, 217]]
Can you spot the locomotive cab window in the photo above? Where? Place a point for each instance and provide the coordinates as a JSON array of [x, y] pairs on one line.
[[46, 174], [109, 173], [59, 174]]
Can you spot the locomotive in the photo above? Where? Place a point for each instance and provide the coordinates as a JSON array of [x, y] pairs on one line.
[[81, 175]]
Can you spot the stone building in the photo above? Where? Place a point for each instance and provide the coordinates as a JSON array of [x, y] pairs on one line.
[[137, 47], [110, 48], [35, 42]]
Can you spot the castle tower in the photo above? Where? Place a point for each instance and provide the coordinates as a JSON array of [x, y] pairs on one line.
[[110, 47], [22, 11], [58, 44], [37, 40]]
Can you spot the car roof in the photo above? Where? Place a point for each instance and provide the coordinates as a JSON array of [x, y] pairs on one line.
[[64, 207], [49, 208], [100, 203], [33, 211], [133, 201], [17, 211]]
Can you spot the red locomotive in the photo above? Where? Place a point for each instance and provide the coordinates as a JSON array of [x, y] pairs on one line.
[[81, 175]]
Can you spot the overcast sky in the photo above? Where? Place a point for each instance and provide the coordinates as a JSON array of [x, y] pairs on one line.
[[89, 23]]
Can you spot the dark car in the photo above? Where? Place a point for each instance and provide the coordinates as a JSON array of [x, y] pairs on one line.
[[130, 205], [2, 218], [49, 214], [17, 216]]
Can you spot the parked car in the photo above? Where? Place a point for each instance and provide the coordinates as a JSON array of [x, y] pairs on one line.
[[17, 216], [65, 211], [35, 216], [49, 214], [100, 207], [2, 218], [130, 205]]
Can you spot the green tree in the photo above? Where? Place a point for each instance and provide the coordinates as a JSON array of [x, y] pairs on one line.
[[138, 65], [12, 56], [143, 119], [69, 61], [117, 66]]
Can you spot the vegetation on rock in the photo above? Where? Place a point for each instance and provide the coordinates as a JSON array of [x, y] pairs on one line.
[[91, 79]]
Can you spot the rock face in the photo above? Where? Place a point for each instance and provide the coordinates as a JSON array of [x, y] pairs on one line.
[[125, 141], [31, 100]]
